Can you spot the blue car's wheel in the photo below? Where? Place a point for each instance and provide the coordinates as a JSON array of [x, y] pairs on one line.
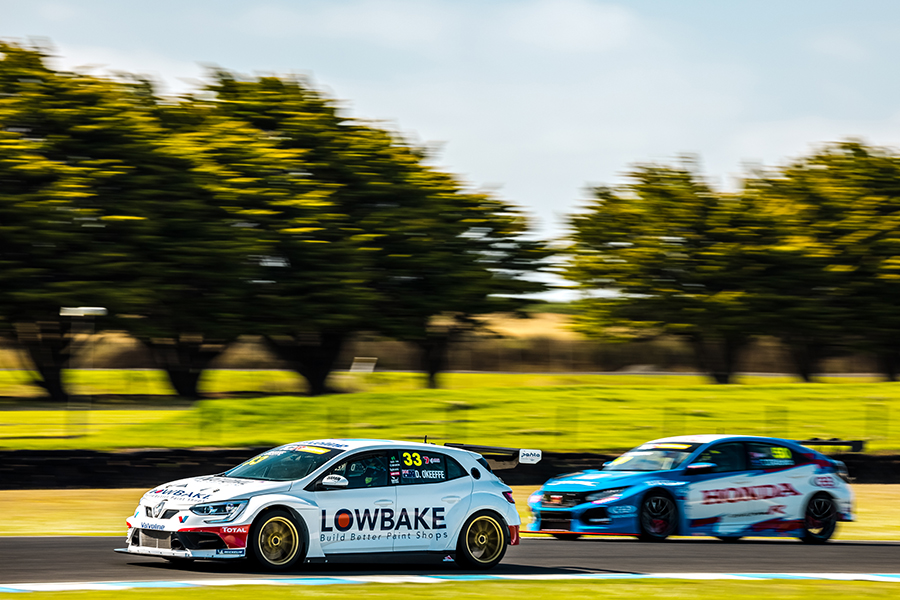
[[658, 517], [820, 520]]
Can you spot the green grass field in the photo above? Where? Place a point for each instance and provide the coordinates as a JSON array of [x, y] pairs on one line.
[[482, 590], [550, 412]]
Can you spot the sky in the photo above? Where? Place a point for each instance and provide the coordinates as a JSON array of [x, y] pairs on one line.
[[535, 100]]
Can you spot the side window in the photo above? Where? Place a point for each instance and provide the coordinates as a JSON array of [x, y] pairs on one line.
[[770, 456], [417, 467], [727, 457], [364, 470]]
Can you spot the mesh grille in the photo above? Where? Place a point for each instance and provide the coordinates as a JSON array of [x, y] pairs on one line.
[[557, 520], [563, 499], [150, 538]]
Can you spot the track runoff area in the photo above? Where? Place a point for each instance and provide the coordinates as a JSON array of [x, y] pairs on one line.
[[52, 564]]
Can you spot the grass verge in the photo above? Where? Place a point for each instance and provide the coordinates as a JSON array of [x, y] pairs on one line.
[[562, 417], [103, 511]]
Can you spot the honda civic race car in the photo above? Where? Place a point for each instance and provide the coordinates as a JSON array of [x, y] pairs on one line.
[[323, 500], [724, 486]]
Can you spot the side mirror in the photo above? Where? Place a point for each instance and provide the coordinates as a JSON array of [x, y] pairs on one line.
[[700, 468], [606, 464], [334, 482]]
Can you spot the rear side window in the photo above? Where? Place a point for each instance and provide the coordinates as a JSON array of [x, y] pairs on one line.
[[416, 467], [770, 456]]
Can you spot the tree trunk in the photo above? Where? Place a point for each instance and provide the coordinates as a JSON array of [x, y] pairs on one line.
[[434, 357], [718, 357], [184, 360], [889, 362], [806, 353], [311, 355], [47, 344]]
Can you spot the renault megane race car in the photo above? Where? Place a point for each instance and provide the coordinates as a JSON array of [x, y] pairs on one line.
[[322, 500], [724, 486]]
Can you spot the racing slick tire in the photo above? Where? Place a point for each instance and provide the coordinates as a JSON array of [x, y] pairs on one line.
[[820, 519], [277, 541], [482, 540], [658, 517], [566, 536]]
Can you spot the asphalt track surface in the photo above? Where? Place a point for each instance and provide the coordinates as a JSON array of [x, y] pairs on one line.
[[74, 559]]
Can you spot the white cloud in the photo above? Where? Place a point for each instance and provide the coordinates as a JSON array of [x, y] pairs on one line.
[[837, 45]]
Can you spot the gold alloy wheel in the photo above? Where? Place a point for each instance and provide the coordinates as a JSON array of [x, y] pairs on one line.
[[484, 539], [278, 541]]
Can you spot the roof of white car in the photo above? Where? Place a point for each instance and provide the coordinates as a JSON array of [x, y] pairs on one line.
[[357, 443]]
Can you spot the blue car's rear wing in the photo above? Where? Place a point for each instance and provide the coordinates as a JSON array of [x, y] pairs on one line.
[[502, 458]]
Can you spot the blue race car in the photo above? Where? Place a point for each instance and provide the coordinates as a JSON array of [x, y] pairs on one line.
[[724, 486]]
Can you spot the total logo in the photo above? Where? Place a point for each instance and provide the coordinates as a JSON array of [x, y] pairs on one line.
[[744, 494], [244, 529], [384, 519]]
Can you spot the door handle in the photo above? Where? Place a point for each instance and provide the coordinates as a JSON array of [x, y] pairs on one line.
[[450, 499], [383, 502]]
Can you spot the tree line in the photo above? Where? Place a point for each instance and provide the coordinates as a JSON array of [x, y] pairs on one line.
[[808, 253], [254, 205]]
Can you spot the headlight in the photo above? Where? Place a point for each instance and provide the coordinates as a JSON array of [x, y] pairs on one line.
[[604, 494], [535, 498], [223, 511]]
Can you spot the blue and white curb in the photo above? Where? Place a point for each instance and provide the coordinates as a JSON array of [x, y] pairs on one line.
[[114, 586]]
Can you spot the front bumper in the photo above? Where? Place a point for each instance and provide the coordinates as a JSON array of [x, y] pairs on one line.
[[585, 519], [189, 543]]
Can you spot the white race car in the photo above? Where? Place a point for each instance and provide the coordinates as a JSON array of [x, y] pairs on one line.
[[326, 500]]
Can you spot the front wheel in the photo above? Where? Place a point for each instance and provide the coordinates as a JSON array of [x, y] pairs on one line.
[[820, 520], [482, 540], [277, 541], [658, 517]]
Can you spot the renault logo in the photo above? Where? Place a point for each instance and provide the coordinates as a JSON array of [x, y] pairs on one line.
[[158, 509]]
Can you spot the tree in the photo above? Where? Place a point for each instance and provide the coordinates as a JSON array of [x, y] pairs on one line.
[[839, 271], [424, 249], [673, 257]]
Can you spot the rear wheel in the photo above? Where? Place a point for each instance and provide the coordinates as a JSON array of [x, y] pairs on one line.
[[566, 536], [820, 520], [658, 517], [482, 540], [277, 541]]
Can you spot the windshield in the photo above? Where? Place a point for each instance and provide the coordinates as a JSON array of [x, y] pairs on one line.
[[284, 464], [662, 456]]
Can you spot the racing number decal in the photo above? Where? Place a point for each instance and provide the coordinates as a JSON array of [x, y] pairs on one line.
[[255, 460], [412, 459], [778, 452]]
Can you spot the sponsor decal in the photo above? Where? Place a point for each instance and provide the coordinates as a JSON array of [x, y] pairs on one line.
[[231, 551], [556, 498], [180, 494], [778, 509], [824, 482], [182, 518], [309, 449], [433, 460], [744, 494], [625, 509], [326, 444], [383, 522], [417, 474], [660, 482], [156, 526], [529, 457], [234, 536], [137, 512], [607, 500], [780, 525]]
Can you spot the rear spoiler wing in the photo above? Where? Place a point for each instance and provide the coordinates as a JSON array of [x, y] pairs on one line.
[[502, 458]]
